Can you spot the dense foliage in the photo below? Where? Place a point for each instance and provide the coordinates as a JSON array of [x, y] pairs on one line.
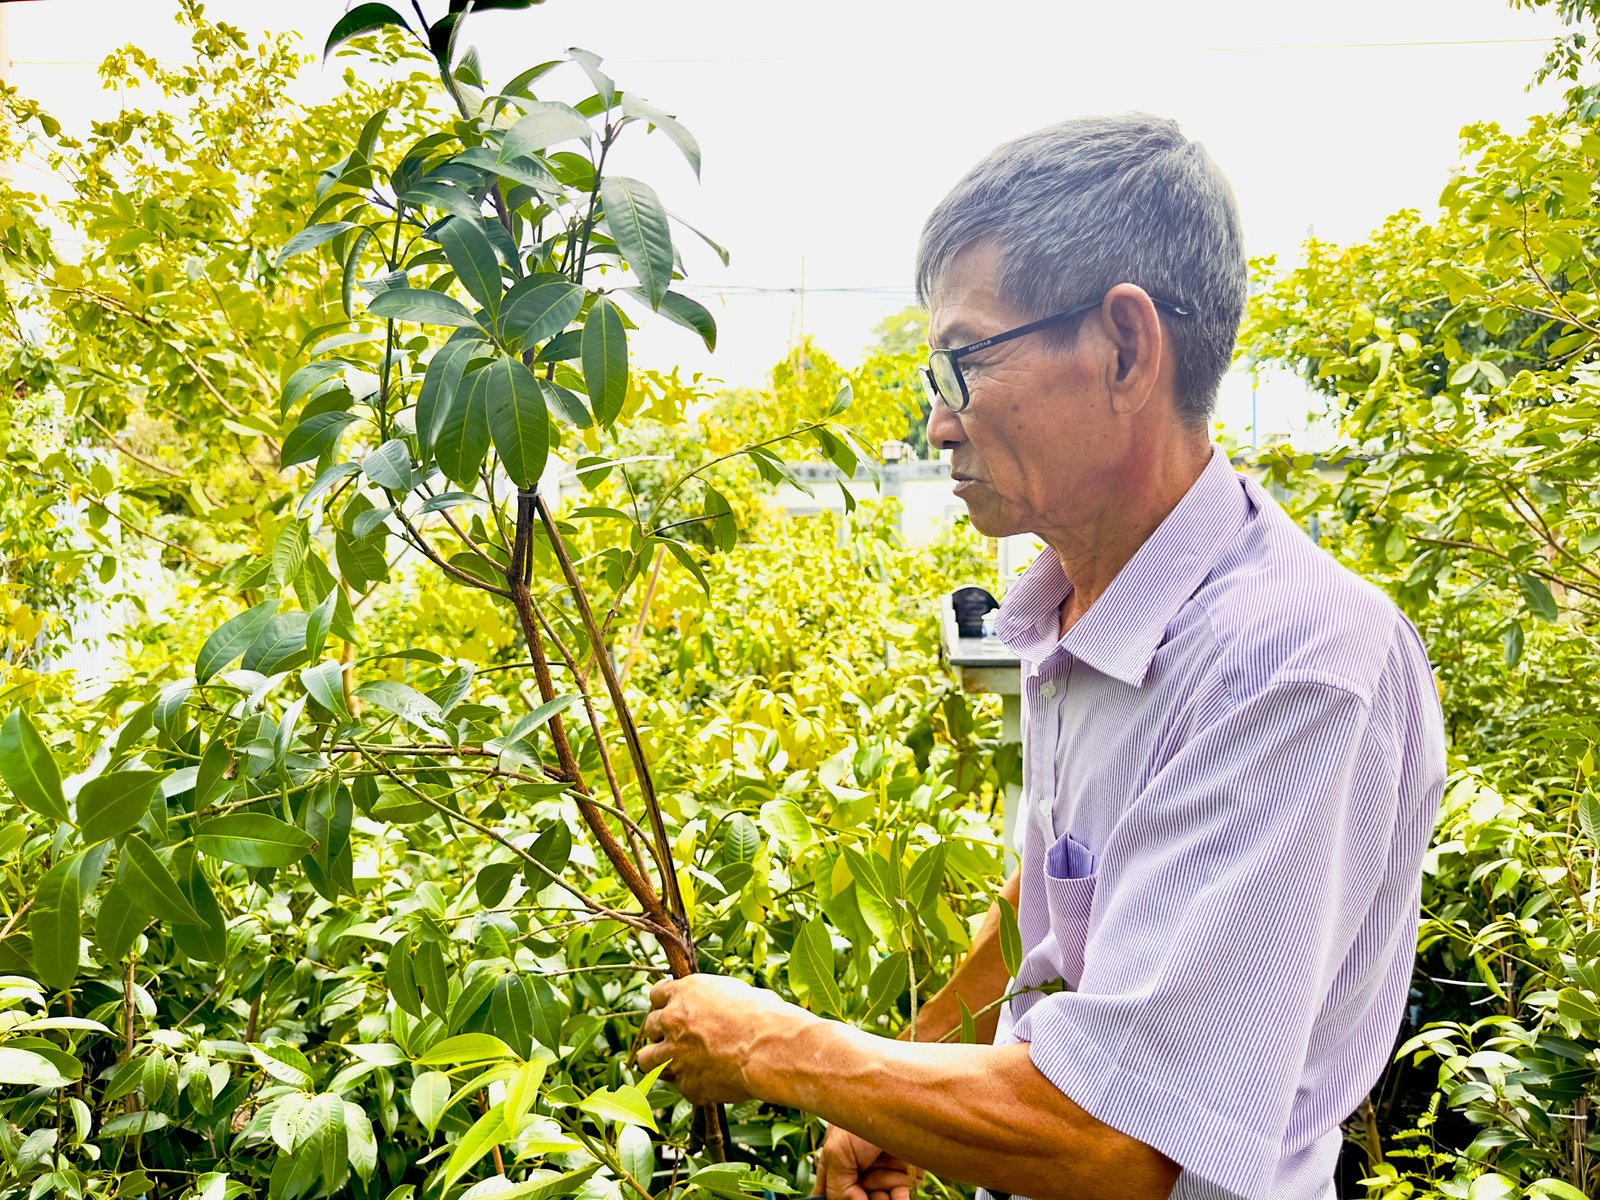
[[1460, 353], [323, 889]]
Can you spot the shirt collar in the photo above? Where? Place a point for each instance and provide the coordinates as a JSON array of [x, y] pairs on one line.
[[1122, 630]]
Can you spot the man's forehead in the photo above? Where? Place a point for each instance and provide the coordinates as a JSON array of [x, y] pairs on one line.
[[966, 304]]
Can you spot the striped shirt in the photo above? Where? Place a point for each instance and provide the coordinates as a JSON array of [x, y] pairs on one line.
[[1231, 768]]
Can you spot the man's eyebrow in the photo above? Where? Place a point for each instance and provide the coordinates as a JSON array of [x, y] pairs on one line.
[[955, 335]]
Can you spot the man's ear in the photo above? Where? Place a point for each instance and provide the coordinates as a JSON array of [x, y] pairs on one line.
[[1131, 324]]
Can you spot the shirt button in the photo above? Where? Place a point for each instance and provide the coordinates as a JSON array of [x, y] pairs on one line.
[[1047, 689]]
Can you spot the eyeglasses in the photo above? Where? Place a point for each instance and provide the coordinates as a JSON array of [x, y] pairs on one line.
[[942, 377]]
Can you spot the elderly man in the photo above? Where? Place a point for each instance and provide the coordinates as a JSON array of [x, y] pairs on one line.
[[1233, 753]]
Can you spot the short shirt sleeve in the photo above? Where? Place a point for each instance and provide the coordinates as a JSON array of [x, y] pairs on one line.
[[1224, 904]]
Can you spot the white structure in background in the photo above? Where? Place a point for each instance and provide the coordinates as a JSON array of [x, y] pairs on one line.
[[928, 503]]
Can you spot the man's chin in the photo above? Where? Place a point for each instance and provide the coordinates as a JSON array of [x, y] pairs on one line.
[[989, 522]]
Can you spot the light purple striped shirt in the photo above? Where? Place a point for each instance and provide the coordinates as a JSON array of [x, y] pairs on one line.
[[1232, 765]]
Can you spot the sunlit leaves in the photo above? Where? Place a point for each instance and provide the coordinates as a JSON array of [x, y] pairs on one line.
[[112, 804], [546, 124], [252, 839], [811, 969], [231, 639]]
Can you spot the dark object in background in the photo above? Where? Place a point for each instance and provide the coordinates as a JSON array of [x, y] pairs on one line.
[[970, 603]]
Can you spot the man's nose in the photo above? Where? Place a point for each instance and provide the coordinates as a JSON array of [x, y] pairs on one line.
[[944, 427]]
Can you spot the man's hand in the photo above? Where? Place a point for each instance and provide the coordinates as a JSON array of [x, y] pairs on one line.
[[713, 1029], [851, 1168]]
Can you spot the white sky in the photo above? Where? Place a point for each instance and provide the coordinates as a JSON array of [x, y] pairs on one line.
[[830, 129]]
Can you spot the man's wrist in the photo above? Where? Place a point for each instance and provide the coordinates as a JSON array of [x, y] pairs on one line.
[[781, 1052]]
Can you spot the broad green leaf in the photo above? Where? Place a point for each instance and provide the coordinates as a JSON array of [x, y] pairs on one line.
[[635, 109], [541, 311], [546, 124], [24, 1068], [56, 924], [112, 804], [681, 310], [518, 419], [639, 224], [283, 1063], [389, 466], [422, 305], [309, 439], [252, 840], [605, 361], [351, 272], [324, 683], [120, 921], [404, 702], [430, 1092], [464, 1049], [152, 883], [280, 644], [787, 821], [487, 1132], [311, 238], [1010, 938], [439, 385], [624, 1104], [464, 431], [473, 259], [1537, 596], [29, 769], [811, 968], [1580, 1006], [886, 986], [1554, 1189], [361, 19]]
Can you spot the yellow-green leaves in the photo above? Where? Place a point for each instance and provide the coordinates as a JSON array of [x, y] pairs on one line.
[[231, 639], [1010, 938], [28, 769]]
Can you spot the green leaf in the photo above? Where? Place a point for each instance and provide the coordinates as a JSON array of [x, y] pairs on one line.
[[886, 986], [546, 124], [1010, 938], [361, 19], [518, 420], [1580, 1006], [422, 305], [811, 969], [605, 361], [720, 521], [324, 683], [637, 110], [541, 311], [429, 1094], [636, 1153], [232, 639], [389, 466], [29, 769], [252, 840], [487, 1132], [310, 238], [465, 1049], [56, 925], [625, 1104], [681, 310], [464, 432], [114, 803], [1536, 595], [152, 883], [312, 437], [120, 921], [404, 702], [439, 386], [352, 271], [280, 644], [1589, 816], [473, 260], [24, 1068], [552, 848], [787, 821], [1554, 1189], [639, 224]]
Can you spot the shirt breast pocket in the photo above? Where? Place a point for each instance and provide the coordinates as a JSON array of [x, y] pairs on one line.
[[1069, 881]]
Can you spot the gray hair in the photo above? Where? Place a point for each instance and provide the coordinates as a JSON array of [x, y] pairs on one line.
[[1083, 205]]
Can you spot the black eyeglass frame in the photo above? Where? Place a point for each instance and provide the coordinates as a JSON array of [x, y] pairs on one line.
[[952, 358]]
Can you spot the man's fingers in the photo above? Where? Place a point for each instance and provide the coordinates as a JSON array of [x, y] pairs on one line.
[[662, 992], [651, 1029], [900, 1193]]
